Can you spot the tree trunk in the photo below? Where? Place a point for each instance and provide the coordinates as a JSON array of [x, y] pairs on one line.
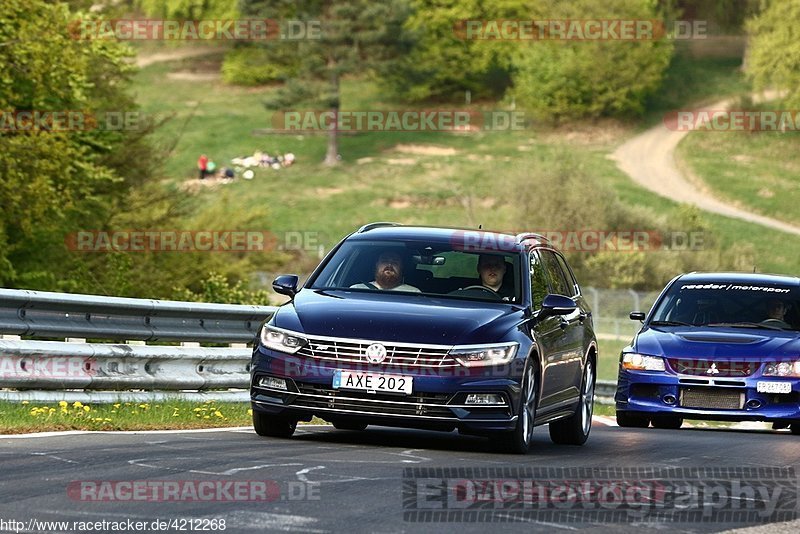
[[332, 154]]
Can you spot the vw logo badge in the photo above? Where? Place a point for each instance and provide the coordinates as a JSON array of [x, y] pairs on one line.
[[376, 353]]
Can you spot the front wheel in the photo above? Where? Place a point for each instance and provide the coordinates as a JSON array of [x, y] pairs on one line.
[[667, 422], [273, 426], [575, 429], [518, 441], [349, 425], [632, 420]]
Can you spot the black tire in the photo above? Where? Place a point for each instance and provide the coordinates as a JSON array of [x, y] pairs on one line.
[[632, 420], [273, 426], [667, 422], [795, 429], [349, 425], [574, 430], [518, 441]]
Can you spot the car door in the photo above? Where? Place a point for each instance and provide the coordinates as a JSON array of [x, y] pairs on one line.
[[549, 336], [564, 335]]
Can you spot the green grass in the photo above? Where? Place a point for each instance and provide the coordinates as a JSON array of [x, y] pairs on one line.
[[38, 417], [25, 417], [758, 171]]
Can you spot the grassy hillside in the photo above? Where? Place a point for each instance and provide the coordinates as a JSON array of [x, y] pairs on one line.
[[759, 171], [412, 177]]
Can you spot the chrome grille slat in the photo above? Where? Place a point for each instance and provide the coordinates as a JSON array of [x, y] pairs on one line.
[[353, 351]]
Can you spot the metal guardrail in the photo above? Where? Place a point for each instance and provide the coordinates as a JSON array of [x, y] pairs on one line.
[[604, 391], [44, 314], [37, 370], [47, 371]]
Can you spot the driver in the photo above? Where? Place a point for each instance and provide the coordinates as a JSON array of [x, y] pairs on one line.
[[492, 270], [388, 274], [776, 313]]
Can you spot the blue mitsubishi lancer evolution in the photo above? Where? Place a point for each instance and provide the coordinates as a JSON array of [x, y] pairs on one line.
[[715, 346]]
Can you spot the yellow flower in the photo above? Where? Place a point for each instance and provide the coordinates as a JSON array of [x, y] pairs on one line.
[[77, 404], [52, 410], [24, 403], [249, 411], [86, 408], [63, 404], [117, 405], [206, 417], [218, 414]]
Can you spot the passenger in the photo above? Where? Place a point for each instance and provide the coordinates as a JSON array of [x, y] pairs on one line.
[[492, 270], [388, 274]]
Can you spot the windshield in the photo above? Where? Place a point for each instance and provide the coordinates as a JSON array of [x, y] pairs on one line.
[[739, 305], [423, 268]]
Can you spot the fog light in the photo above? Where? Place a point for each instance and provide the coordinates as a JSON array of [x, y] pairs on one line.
[[485, 398], [272, 383]]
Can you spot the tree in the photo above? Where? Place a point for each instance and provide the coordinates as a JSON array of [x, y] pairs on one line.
[[774, 53], [345, 38], [569, 79]]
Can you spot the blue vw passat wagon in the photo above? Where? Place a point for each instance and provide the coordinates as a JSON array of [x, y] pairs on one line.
[[434, 328], [715, 346]]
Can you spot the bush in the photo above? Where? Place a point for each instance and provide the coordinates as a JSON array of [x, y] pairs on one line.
[[251, 65], [571, 79]]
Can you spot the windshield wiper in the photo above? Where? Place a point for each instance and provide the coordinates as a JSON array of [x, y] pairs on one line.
[[745, 324], [669, 323]]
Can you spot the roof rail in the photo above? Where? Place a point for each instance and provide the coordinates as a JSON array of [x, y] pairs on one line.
[[532, 235], [371, 226]]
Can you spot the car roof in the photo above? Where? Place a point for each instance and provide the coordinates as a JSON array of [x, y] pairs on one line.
[[740, 278], [470, 239]]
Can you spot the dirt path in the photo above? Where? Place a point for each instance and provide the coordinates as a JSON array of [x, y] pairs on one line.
[[143, 60], [649, 159]]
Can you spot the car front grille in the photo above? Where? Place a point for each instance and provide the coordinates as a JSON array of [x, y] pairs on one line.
[[712, 368], [420, 404], [712, 398], [397, 354]]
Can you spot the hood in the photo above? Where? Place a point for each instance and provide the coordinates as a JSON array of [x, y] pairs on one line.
[[715, 342], [397, 317]]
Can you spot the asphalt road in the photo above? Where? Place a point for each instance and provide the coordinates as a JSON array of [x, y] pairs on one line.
[[325, 480]]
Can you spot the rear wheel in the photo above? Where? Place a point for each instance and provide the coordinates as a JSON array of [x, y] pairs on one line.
[[667, 422], [632, 420], [273, 425], [575, 429], [518, 441]]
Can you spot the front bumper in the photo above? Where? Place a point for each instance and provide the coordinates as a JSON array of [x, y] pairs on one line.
[[662, 393], [437, 400]]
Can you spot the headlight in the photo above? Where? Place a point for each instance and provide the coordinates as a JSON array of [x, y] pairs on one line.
[[281, 340], [788, 369], [477, 355], [640, 362]]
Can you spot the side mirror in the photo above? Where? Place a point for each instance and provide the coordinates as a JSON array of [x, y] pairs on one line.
[[558, 305], [286, 284], [636, 316]]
